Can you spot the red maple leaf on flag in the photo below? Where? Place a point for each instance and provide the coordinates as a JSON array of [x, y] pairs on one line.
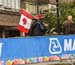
[[25, 21]]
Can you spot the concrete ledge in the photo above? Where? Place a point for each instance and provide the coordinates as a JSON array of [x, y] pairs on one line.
[[50, 63]]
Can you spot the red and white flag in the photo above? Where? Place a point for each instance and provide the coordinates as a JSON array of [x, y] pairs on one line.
[[25, 21]]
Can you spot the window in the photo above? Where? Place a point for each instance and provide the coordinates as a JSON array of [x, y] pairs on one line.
[[13, 4], [10, 4], [5, 3], [17, 3], [1, 2]]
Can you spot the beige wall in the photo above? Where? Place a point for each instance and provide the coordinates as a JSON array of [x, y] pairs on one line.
[[9, 20], [33, 8], [54, 1], [30, 8], [43, 7]]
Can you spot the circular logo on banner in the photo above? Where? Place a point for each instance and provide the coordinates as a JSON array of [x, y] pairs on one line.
[[54, 46]]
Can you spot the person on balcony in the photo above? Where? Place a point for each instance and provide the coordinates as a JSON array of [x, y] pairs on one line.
[[38, 28], [69, 27]]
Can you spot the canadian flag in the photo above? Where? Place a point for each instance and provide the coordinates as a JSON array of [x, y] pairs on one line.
[[25, 21]]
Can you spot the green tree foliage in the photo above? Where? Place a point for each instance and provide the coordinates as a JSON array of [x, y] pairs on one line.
[[51, 20], [65, 9]]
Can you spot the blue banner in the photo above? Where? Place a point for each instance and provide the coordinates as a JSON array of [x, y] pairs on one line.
[[36, 49]]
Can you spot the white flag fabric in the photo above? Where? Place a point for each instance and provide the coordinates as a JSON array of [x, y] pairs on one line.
[[25, 21]]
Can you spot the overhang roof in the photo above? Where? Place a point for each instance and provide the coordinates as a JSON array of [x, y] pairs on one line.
[[9, 18], [48, 1]]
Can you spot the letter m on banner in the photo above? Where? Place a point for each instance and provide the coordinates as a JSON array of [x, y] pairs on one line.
[[25, 21]]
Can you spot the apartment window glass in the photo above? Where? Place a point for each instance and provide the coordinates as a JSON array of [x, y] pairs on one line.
[[1, 2], [9, 3], [17, 4], [13, 4], [5, 3]]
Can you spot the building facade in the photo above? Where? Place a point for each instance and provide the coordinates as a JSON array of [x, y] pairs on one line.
[[37, 6], [9, 17], [61, 1], [10, 13], [34, 9]]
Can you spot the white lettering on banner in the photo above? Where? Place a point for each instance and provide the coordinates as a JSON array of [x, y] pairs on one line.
[[54, 46], [73, 45], [69, 45], [1, 48]]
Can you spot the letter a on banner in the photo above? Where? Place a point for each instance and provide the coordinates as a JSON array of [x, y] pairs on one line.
[[25, 21]]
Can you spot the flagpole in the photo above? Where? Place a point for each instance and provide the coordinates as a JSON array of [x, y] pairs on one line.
[[37, 6], [58, 21], [22, 34]]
